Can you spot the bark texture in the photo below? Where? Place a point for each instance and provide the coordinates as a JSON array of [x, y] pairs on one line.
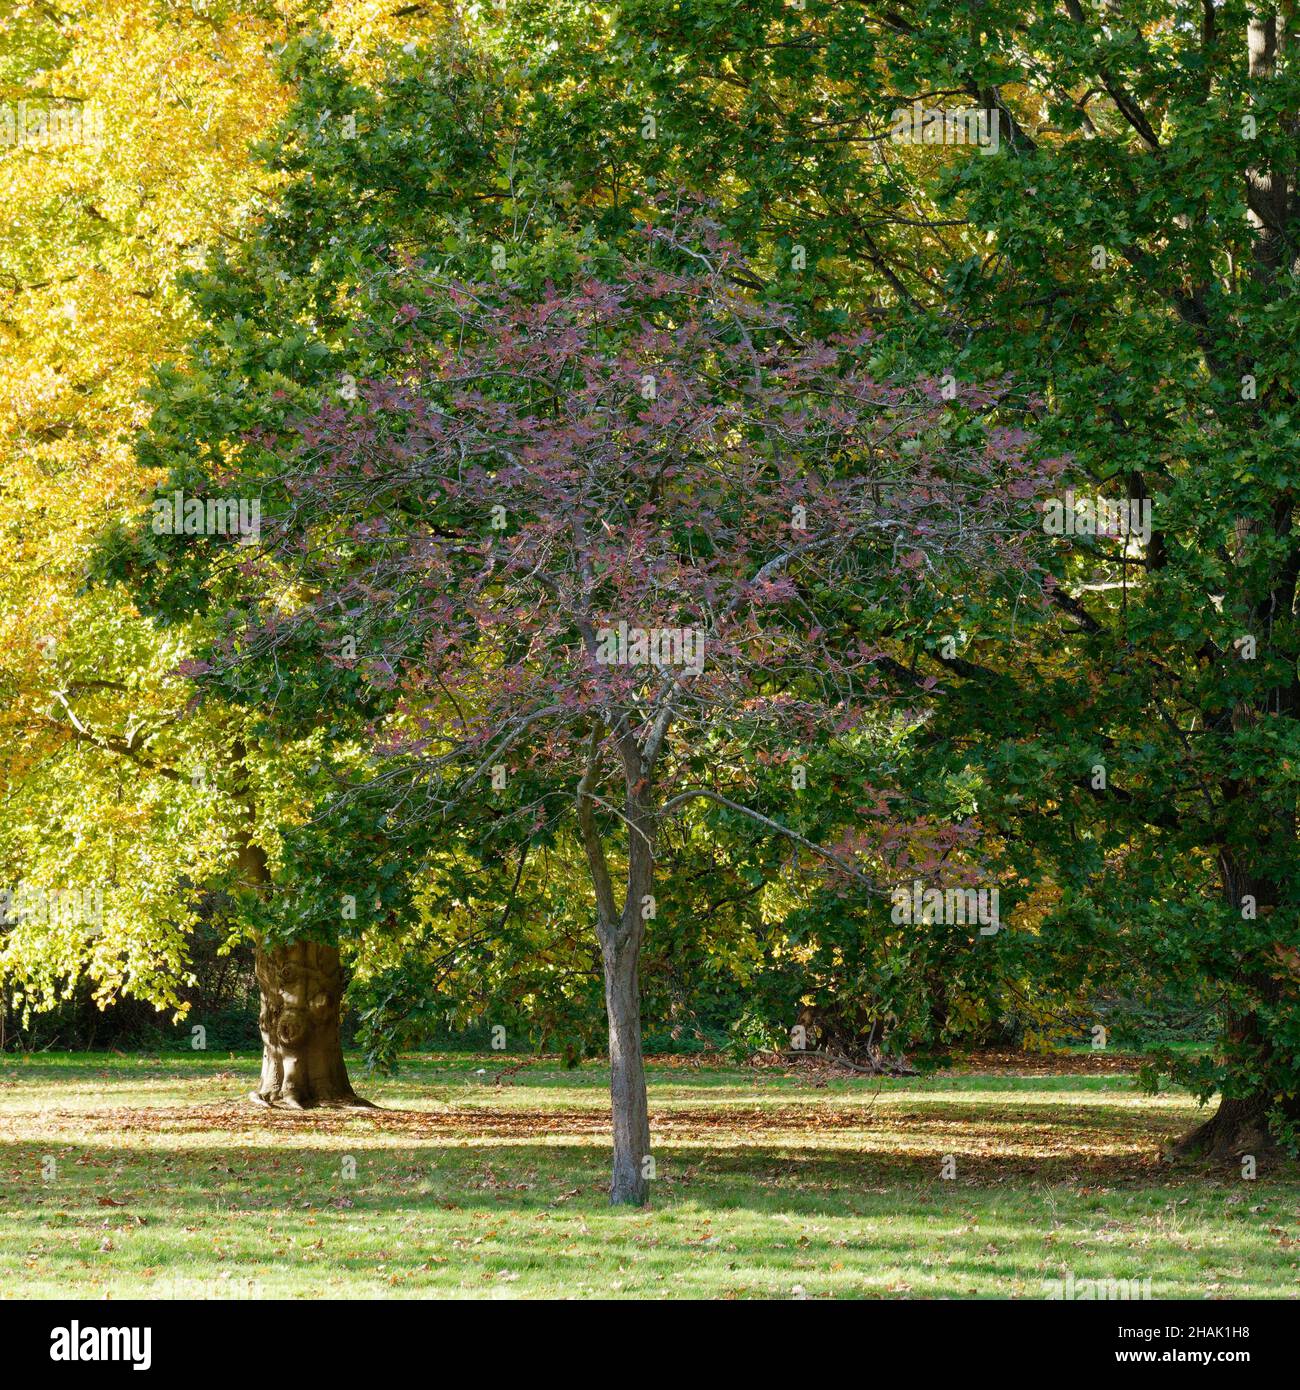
[[302, 1050], [620, 933], [630, 1181], [1237, 1128], [301, 987]]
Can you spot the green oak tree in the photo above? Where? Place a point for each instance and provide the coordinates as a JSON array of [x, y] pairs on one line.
[[1127, 250]]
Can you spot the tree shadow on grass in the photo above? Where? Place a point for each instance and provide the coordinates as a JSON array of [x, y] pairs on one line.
[[323, 1156], [451, 1215]]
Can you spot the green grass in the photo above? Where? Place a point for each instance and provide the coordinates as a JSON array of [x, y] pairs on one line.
[[166, 1183]]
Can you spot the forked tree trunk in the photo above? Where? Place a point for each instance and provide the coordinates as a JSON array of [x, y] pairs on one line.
[[302, 1050], [630, 1182]]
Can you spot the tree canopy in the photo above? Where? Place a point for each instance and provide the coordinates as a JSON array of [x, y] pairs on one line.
[[783, 461]]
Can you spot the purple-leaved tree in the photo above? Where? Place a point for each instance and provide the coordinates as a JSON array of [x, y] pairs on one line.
[[608, 549]]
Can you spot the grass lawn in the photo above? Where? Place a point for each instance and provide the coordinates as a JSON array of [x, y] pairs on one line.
[[164, 1182]]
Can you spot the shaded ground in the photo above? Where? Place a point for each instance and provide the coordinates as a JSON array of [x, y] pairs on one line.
[[151, 1176], [1076, 1063]]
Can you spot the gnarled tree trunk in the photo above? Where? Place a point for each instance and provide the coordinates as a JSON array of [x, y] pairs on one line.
[[302, 1050], [301, 987]]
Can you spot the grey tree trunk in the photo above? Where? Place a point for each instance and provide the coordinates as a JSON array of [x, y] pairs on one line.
[[630, 1182], [620, 933]]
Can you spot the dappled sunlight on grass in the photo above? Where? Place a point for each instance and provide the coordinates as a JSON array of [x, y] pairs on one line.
[[165, 1182]]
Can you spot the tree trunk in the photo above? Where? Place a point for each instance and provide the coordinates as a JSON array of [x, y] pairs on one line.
[[301, 987], [302, 1051], [630, 1184], [620, 934], [1240, 1126]]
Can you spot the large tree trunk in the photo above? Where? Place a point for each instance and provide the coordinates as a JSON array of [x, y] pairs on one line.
[[301, 988], [1237, 1128], [302, 1050], [1240, 1126], [630, 1183]]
